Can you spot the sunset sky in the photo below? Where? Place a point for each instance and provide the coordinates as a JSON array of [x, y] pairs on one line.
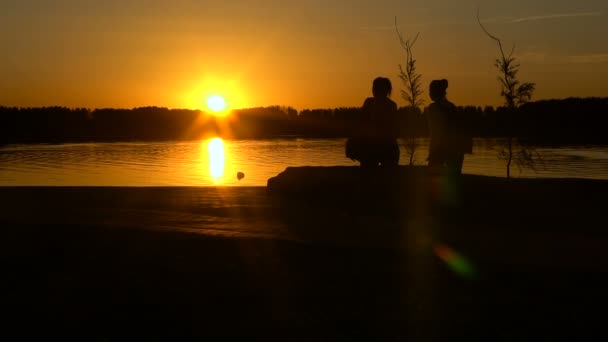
[[305, 53]]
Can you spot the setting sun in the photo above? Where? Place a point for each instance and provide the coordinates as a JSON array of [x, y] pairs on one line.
[[216, 103], [214, 95]]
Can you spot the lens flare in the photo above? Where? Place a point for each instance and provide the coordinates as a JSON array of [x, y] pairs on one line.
[[456, 262]]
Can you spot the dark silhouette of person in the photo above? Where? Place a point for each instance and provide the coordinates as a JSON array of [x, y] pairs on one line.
[[450, 138], [374, 143]]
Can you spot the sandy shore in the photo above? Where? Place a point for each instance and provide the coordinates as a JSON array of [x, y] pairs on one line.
[[178, 263]]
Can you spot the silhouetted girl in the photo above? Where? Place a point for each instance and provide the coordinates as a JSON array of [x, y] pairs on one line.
[[450, 138], [375, 139]]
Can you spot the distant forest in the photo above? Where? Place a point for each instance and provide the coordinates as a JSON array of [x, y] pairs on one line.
[[571, 120]]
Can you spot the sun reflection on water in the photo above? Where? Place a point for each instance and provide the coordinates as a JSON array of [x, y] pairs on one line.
[[217, 159], [190, 163]]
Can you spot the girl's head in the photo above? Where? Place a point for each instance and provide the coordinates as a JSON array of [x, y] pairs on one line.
[[382, 87], [437, 89]]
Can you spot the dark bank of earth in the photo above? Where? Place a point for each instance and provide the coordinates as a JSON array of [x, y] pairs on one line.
[[553, 204], [313, 257], [415, 180], [520, 222]]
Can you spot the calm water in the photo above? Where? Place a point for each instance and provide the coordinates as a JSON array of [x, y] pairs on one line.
[[216, 162]]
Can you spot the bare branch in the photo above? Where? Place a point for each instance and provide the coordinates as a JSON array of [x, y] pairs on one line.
[[406, 44], [414, 41], [403, 44], [512, 51], [484, 28], [491, 35]]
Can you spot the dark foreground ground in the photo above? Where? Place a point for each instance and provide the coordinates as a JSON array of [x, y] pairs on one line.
[[503, 261]]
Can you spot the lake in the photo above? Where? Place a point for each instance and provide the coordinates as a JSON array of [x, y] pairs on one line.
[[216, 162]]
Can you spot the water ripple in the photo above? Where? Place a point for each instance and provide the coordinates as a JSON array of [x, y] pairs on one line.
[[188, 163]]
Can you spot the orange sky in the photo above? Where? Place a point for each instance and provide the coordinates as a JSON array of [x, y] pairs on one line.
[[306, 54]]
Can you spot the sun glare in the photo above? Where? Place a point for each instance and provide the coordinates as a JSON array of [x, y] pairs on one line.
[[216, 103], [215, 96]]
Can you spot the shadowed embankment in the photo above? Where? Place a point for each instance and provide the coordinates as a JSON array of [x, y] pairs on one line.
[[424, 257]]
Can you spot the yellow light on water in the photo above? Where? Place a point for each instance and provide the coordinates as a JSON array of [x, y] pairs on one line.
[[217, 158]]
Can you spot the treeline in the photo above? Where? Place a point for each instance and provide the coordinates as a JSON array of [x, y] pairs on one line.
[[580, 120], [574, 120]]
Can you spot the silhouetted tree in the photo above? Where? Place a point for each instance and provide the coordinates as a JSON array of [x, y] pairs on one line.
[[515, 94], [413, 87]]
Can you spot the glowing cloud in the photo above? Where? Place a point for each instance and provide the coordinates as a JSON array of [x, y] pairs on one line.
[[557, 16]]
